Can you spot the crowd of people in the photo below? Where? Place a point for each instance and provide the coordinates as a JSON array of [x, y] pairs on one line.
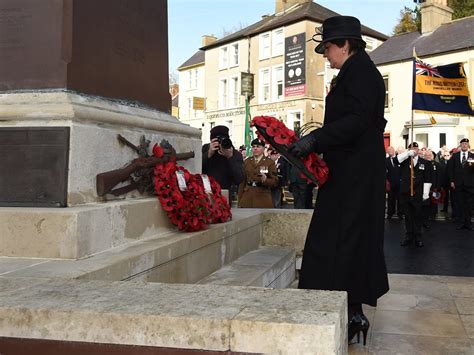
[[422, 183]]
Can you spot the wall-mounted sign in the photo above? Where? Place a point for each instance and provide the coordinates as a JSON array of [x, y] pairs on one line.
[[295, 73], [199, 103], [227, 113], [246, 84]]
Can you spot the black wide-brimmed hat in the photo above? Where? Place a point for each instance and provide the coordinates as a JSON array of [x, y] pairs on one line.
[[337, 27]]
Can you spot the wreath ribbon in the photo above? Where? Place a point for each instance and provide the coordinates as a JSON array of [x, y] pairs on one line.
[[193, 209]]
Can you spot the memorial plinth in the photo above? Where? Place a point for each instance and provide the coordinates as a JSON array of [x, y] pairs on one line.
[[88, 225], [73, 75], [110, 48]]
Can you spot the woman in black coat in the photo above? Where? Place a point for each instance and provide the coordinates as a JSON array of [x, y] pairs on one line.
[[344, 245]]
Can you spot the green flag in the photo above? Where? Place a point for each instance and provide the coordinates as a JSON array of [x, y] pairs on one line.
[[248, 131]]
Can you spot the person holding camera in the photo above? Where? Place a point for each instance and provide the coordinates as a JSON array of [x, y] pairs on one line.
[[221, 161], [260, 177]]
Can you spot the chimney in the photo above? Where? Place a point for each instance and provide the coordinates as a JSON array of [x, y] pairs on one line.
[[282, 5], [434, 13], [208, 39]]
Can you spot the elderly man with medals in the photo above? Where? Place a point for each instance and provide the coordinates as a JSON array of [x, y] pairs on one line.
[[415, 188]]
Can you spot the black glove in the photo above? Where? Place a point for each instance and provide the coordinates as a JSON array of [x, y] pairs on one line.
[[304, 146]]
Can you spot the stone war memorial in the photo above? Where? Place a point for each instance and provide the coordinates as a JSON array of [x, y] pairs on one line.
[[86, 270]]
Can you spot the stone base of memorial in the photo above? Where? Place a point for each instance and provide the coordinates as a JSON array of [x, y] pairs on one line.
[[54, 143]]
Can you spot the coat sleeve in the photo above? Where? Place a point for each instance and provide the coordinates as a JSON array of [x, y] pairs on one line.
[[361, 95], [450, 169]]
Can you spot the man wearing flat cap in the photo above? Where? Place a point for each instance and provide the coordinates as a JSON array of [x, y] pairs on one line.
[[415, 185], [461, 177], [344, 244], [221, 161], [260, 177]]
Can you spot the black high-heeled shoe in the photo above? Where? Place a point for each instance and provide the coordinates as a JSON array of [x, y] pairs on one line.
[[358, 323]]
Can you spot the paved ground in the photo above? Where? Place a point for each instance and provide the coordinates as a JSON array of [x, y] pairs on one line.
[[424, 313], [447, 251]]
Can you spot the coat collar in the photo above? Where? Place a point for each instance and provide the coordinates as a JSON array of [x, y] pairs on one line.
[[347, 64]]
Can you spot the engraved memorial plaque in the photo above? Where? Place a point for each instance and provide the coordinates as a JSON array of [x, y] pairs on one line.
[[34, 166], [110, 48]]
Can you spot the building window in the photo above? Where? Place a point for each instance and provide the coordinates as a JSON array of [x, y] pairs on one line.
[[193, 77], [223, 58], [385, 81], [264, 85], [277, 81], [228, 124], [234, 91], [278, 42], [190, 106], [369, 44], [223, 89], [264, 46], [442, 139], [294, 119], [234, 55]]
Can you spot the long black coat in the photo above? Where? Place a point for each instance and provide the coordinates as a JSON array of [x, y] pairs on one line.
[[461, 175], [393, 172], [344, 246]]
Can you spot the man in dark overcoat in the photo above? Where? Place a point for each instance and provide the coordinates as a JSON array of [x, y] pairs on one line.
[[344, 244], [461, 177], [415, 188]]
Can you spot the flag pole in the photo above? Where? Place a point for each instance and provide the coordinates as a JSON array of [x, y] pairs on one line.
[[412, 172]]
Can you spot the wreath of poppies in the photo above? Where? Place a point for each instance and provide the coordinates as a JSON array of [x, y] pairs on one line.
[[190, 209], [274, 132]]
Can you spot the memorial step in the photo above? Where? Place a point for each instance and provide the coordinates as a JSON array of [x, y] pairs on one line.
[[264, 267]]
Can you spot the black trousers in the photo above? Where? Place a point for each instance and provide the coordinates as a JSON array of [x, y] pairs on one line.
[[464, 198], [412, 208], [393, 202]]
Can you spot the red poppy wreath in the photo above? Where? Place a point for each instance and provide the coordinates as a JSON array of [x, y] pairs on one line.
[[189, 204], [280, 137]]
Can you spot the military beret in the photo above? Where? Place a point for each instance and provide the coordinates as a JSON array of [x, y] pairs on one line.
[[257, 141], [464, 140]]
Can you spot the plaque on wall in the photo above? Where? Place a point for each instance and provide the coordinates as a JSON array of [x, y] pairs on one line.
[[34, 166]]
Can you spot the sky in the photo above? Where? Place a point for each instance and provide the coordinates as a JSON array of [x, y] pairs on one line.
[[188, 20]]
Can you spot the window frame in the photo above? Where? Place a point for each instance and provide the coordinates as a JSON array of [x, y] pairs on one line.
[[274, 83], [261, 99], [223, 101], [387, 92], [232, 54], [274, 43], [223, 58], [234, 96], [261, 37]]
